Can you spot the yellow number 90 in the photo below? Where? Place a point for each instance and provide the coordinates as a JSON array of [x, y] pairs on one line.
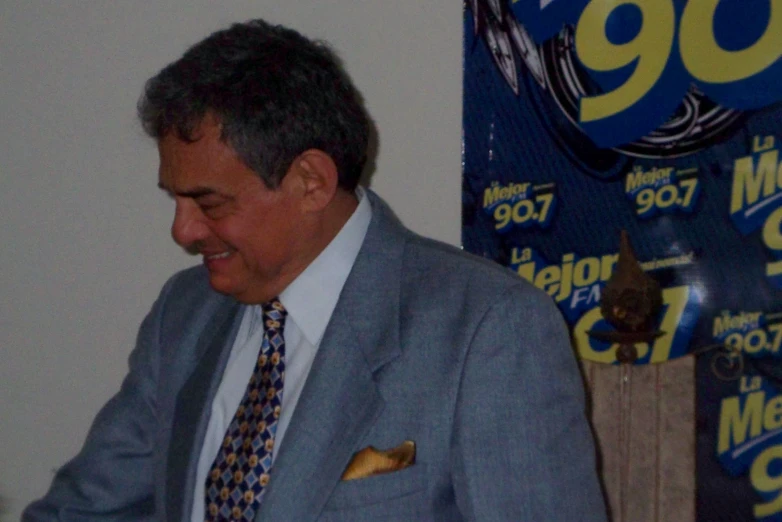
[[709, 62], [650, 50]]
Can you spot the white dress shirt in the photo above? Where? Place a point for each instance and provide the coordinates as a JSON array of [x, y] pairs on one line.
[[310, 300]]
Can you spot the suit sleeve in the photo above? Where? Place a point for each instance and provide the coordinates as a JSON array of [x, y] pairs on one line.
[[522, 449], [112, 477]]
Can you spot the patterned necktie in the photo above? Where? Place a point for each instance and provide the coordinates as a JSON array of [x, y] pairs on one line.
[[240, 472]]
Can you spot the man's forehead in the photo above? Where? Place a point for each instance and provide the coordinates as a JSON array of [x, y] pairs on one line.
[[204, 152], [200, 167]]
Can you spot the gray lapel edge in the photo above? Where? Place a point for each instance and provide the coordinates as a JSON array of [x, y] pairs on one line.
[[193, 410]]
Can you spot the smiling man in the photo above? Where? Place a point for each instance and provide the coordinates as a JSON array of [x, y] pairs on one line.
[[323, 363]]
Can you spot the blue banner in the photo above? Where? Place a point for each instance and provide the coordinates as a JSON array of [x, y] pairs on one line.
[[662, 118]]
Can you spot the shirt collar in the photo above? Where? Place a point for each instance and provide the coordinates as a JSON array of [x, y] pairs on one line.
[[311, 298]]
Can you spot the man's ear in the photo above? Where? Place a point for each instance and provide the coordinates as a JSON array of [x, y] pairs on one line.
[[319, 178]]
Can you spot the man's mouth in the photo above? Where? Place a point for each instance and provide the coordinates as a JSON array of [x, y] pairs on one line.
[[213, 257]]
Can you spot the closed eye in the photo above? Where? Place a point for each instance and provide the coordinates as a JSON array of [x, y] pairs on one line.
[[211, 204], [207, 205]]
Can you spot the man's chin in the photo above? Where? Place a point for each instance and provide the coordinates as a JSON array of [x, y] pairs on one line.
[[225, 286], [222, 285]]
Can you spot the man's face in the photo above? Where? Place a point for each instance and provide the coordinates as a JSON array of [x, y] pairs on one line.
[[245, 231]]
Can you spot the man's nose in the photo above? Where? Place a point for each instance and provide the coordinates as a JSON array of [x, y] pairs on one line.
[[188, 227]]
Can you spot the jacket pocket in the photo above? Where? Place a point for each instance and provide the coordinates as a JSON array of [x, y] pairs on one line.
[[378, 489]]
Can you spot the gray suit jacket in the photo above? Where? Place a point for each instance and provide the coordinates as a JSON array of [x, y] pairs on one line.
[[427, 344]]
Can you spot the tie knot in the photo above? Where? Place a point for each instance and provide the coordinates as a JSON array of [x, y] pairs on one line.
[[273, 314]]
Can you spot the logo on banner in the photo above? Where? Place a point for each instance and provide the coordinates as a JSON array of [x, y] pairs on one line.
[[753, 333], [576, 283], [749, 442], [636, 60], [756, 199], [662, 190], [521, 205]]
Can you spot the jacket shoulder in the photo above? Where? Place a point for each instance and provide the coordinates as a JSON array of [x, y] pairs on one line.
[[187, 297], [451, 269]]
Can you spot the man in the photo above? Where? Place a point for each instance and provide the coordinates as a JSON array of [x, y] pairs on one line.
[[324, 363]]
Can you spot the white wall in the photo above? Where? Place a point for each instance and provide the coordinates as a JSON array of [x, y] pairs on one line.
[[85, 247]]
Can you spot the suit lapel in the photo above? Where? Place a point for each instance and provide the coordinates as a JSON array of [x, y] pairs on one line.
[[341, 400], [194, 408]]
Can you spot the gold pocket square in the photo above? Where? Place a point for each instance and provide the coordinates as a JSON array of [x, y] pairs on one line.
[[371, 461]]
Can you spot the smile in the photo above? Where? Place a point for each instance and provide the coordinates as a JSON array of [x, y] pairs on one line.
[[218, 256]]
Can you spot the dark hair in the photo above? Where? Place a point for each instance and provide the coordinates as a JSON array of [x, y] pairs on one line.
[[275, 93]]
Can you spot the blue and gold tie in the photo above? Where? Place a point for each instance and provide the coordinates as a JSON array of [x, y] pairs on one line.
[[238, 477]]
